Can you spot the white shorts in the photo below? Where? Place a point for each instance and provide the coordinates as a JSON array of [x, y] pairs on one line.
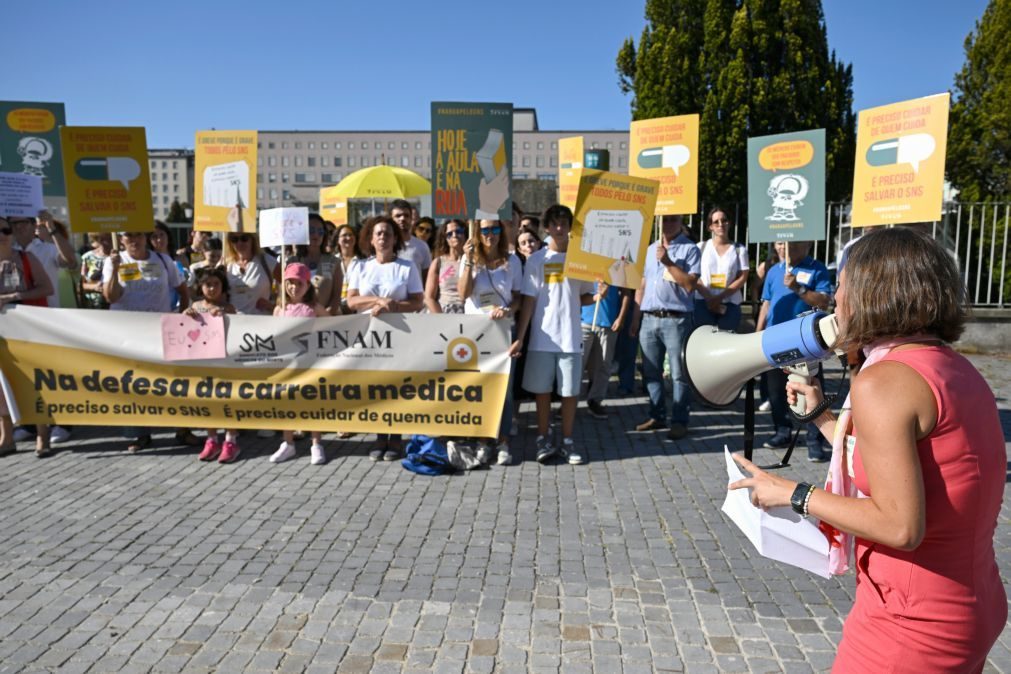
[[545, 368]]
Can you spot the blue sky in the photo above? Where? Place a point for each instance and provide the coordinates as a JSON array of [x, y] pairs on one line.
[[177, 67]]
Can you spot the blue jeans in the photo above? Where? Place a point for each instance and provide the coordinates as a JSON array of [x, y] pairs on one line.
[[781, 417], [729, 320], [659, 337]]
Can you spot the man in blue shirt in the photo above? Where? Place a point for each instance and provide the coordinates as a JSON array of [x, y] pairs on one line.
[[666, 304], [792, 287]]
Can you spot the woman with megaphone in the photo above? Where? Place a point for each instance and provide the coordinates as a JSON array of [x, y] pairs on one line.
[[918, 467]]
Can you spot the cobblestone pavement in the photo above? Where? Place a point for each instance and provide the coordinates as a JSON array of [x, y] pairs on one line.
[[157, 562]]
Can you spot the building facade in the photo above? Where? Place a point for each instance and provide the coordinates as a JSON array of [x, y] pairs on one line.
[[171, 179]]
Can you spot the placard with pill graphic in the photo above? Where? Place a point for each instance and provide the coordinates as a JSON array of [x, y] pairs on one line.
[[612, 222], [786, 187], [225, 184], [666, 149], [108, 184], [899, 172]]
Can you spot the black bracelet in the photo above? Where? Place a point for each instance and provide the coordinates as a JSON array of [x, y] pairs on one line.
[[798, 500]]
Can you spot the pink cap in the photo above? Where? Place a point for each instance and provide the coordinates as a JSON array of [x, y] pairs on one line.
[[298, 271]]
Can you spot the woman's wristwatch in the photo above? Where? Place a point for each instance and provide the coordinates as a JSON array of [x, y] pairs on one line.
[[801, 497]]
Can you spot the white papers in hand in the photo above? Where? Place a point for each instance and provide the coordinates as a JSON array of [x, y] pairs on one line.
[[777, 533]]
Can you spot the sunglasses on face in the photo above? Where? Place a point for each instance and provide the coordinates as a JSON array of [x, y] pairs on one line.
[[490, 231], [456, 233], [316, 230], [6, 231], [240, 238]]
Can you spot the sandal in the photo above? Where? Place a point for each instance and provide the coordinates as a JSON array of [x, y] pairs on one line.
[[143, 442], [43, 451], [7, 451], [344, 435]]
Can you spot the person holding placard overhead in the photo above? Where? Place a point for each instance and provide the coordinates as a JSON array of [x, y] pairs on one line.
[[918, 467], [383, 284], [490, 283], [725, 270], [672, 268]]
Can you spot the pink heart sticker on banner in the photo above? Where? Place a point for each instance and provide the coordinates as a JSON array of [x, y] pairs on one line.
[[188, 338], [193, 334]]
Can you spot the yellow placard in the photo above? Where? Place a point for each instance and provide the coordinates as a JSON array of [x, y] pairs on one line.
[[332, 207], [611, 228], [899, 172], [108, 184], [225, 181], [667, 150], [570, 161]]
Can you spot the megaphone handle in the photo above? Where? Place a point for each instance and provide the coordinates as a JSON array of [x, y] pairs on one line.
[[799, 407]]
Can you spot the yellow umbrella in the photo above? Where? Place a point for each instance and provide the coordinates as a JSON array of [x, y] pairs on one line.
[[382, 182]]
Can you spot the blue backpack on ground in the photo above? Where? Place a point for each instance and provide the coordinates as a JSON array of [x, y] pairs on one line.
[[427, 456]]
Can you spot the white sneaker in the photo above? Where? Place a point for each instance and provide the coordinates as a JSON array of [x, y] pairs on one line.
[[58, 434], [264, 433], [572, 455], [483, 453], [22, 434], [504, 457], [318, 455], [283, 453], [765, 407]]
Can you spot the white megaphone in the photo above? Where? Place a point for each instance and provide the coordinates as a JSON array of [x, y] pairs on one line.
[[718, 363]]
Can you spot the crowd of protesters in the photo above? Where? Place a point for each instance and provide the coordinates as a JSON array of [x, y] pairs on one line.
[[564, 330]]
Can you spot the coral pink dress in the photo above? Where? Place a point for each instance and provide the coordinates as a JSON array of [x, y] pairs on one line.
[[940, 607], [299, 310]]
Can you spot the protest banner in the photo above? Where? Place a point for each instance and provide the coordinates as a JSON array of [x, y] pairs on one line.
[[570, 161], [399, 373], [20, 195], [472, 150], [332, 207], [786, 187], [611, 227], [899, 172], [225, 181], [30, 142], [108, 184], [667, 149], [284, 227]]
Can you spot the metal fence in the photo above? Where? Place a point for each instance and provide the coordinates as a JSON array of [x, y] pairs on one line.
[[975, 233]]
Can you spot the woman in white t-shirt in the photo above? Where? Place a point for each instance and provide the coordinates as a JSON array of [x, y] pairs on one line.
[[724, 271], [251, 275], [384, 284], [490, 282]]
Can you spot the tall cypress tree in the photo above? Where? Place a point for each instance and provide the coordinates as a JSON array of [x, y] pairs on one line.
[[750, 68], [979, 140]]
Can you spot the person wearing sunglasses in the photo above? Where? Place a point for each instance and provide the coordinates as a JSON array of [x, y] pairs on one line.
[[441, 293], [324, 269], [424, 230], [251, 274], [23, 280], [385, 283], [490, 284]]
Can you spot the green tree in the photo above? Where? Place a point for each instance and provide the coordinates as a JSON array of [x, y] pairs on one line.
[[176, 212], [749, 68], [979, 141]]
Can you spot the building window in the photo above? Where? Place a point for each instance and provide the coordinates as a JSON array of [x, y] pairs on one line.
[[417, 145], [546, 176], [284, 145], [404, 145], [286, 195], [270, 146], [540, 145], [259, 177], [526, 162], [554, 145], [312, 146], [526, 145], [540, 161], [271, 177], [285, 161], [284, 178], [365, 162], [273, 193], [300, 178], [298, 161], [392, 146], [337, 146], [519, 176], [175, 176], [554, 161], [164, 164], [417, 162], [351, 146], [164, 176], [337, 161], [323, 146], [351, 161], [271, 161], [622, 145], [326, 178], [259, 192], [298, 146], [621, 161], [608, 145], [175, 188], [259, 161], [154, 165], [324, 161], [310, 162], [164, 200], [405, 161]]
